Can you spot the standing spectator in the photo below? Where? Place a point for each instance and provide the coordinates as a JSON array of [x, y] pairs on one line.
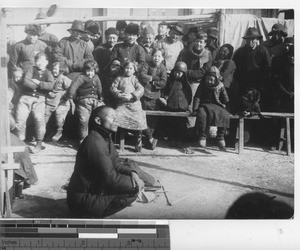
[[162, 31], [103, 53], [92, 35], [86, 91], [172, 46], [213, 41], [154, 78], [37, 84], [120, 26], [190, 37], [253, 64], [56, 100], [73, 51], [277, 50], [148, 42], [24, 51], [198, 60], [210, 106], [129, 50], [128, 91], [143, 25], [48, 38], [227, 68]]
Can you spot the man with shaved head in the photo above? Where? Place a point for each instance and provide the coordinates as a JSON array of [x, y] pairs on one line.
[[102, 183]]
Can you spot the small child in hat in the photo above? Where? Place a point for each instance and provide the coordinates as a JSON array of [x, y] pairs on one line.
[[162, 31], [177, 98], [210, 103]]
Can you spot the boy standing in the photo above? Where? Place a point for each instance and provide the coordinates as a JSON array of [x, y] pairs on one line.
[[172, 46], [37, 83]]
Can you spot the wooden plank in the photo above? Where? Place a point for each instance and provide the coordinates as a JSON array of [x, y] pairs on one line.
[[191, 18], [12, 149], [277, 114], [10, 166], [167, 113], [288, 136]]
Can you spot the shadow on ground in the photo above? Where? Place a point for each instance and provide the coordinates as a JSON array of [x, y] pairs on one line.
[[38, 207]]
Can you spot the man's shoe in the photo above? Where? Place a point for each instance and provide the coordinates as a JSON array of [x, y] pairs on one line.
[[153, 143], [222, 144], [202, 143], [57, 136], [37, 148]]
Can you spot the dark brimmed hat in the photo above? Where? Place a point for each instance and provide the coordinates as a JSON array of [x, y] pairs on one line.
[[33, 28], [121, 24], [92, 27], [213, 32], [132, 28], [193, 30], [163, 23], [77, 25], [111, 30], [278, 27], [201, 35], [148, 30], [177, 27], [252, 33]]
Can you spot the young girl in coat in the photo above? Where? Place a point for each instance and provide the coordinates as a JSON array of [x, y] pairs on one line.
[[210, 106], [127, 90]]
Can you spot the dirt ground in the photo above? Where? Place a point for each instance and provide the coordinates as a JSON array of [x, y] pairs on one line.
[[202, 185]]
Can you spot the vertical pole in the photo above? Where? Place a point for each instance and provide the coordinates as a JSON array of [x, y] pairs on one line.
[[4, 116], [222, 27], [241, 135], [288, 136]]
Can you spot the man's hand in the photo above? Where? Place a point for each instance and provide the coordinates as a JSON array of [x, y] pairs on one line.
[[36, 81], [137, 181]]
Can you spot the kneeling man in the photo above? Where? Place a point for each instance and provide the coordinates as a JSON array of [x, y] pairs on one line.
[[102, 183]]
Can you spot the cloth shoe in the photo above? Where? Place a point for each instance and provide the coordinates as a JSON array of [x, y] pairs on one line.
[[57, 136], [222, 144], [202, 142]]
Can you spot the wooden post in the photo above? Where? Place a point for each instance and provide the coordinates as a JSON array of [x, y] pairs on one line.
[[288, 136], [241, 135], [4, 116], [221, 26]]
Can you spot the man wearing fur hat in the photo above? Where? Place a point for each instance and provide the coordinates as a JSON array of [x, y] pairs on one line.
[[148, 42], [92, 35], [129, 50], [253, 63], [213, 41], [72, 50], [102, 53], [172, 45], [24, 51]]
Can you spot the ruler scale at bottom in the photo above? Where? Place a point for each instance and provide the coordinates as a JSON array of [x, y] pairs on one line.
[[83, 234]]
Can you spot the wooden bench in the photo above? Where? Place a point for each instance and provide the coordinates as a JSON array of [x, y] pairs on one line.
[[239, 146]]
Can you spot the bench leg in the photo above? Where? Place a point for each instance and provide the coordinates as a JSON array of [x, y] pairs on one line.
[[282, 135], [241, 135], [288, 136], [122, 140]]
